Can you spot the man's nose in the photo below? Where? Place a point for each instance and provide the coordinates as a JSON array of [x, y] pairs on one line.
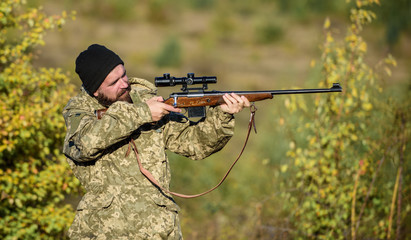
[[124, 82]]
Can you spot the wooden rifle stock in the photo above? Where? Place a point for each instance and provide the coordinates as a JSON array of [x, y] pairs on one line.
[[212, 100]]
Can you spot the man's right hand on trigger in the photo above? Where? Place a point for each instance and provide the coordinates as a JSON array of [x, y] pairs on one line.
[[159, 109]]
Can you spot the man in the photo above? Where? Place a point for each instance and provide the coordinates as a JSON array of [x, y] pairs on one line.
[[120, 203]]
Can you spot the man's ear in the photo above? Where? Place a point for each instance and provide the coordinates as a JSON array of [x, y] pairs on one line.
[[95, 93]]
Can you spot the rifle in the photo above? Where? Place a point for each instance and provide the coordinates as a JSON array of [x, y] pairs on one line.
[[196, 102]]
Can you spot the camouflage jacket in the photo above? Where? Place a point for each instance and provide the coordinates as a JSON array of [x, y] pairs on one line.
[[96, 149]]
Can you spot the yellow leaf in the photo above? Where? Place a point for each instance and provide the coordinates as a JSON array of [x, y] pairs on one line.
[[284, 168], [349, 102], [312, 140], [354, 92], [330, 38], [367, 106], [363, 47], [312, 63], [18, 202], [327, 23], [388, 71]]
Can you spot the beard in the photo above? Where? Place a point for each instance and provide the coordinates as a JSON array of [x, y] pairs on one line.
[[124, 95]]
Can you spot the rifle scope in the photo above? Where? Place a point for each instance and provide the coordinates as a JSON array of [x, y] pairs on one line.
[[166, 80]]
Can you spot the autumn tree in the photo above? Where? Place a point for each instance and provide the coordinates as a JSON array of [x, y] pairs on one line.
[[349, 167], [34, 178]]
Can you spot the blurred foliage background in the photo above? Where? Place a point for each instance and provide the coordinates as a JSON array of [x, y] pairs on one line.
[[321, 166]]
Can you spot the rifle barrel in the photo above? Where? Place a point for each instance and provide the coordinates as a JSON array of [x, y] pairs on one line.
[[335, 88]]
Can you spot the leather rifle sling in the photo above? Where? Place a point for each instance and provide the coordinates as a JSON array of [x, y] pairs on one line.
[[150, 177]]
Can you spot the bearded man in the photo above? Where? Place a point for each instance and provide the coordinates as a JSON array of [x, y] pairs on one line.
[[120, 202]]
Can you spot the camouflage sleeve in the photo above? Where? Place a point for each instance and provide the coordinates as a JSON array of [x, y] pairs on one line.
[[201, 139], [87, 137]]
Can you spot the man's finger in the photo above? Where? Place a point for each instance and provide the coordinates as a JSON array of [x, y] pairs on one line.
[[236, 97], [229, 100], [246, 102], [170, 108]]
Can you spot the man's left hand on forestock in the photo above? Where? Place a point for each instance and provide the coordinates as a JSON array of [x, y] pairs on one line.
[[234, 103]]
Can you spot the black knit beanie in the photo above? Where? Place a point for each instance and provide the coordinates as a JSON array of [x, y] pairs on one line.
[[94, 64]]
